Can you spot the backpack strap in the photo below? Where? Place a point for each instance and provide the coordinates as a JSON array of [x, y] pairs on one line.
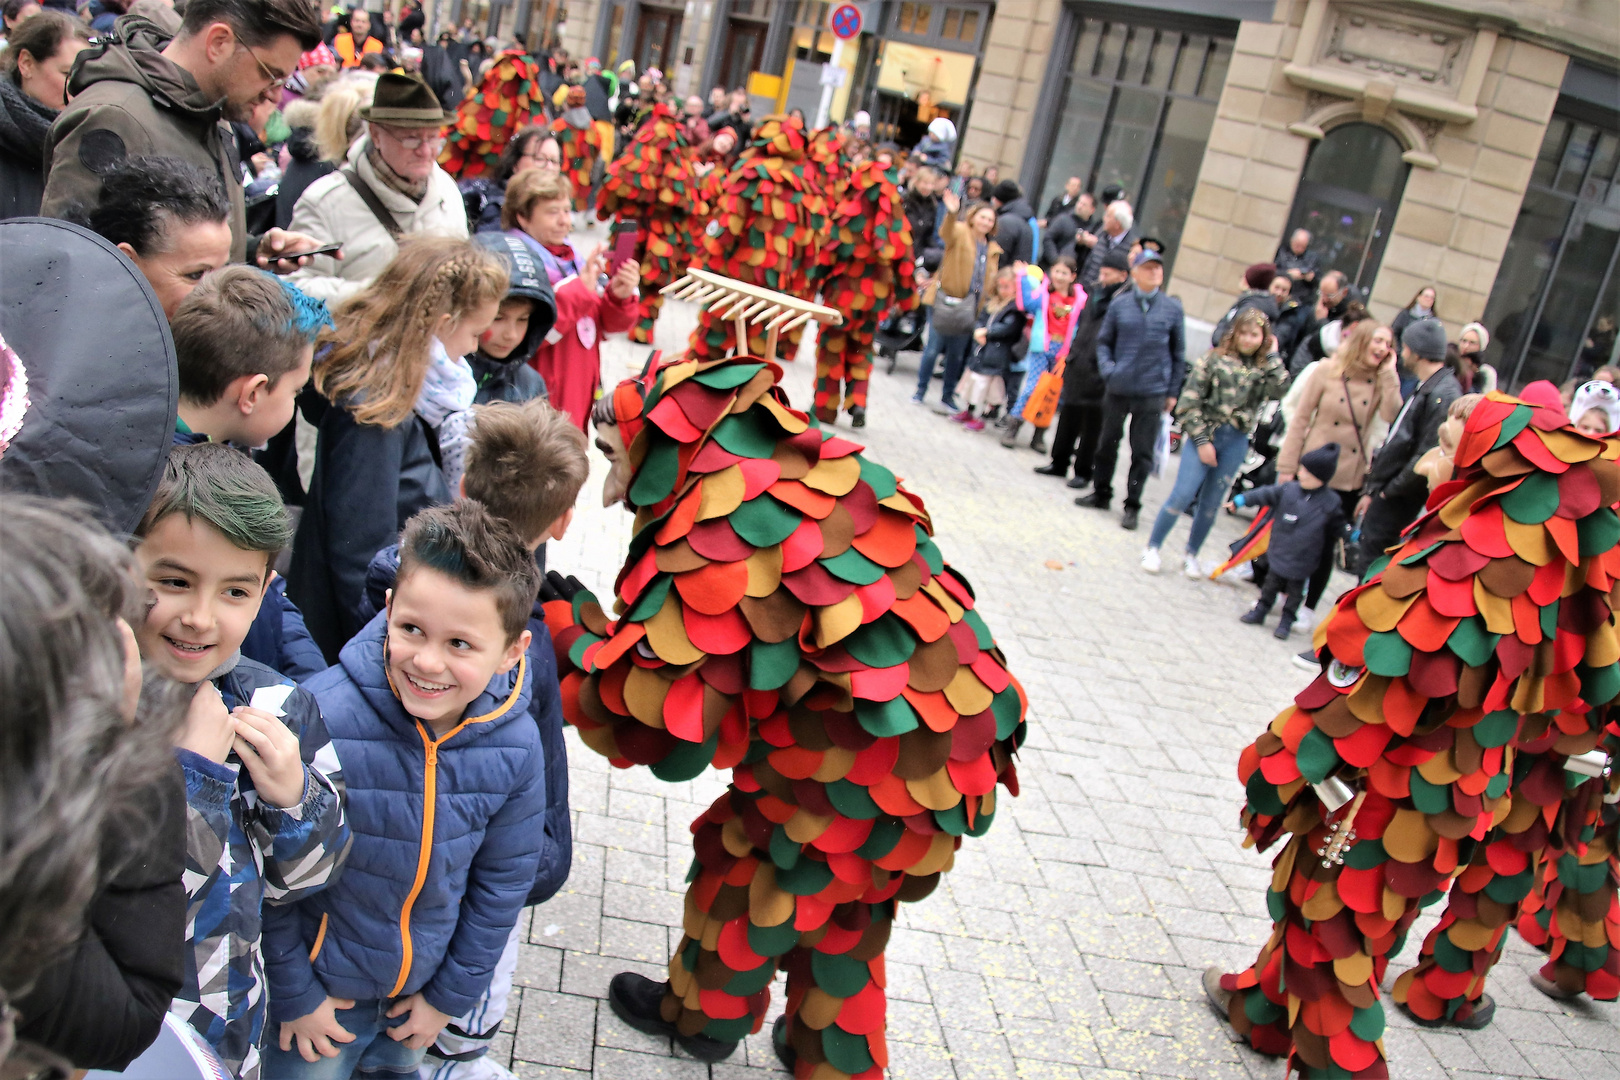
[[384, 216]]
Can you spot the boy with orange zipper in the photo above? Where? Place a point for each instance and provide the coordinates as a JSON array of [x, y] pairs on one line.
[[447, 799]]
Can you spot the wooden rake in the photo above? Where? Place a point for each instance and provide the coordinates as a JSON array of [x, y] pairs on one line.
[[749, 305]]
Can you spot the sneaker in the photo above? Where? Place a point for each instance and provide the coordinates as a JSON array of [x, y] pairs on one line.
[[1151, 561], [1307, 661], [1129, 519], [961, 417], [917, 399], [1193, 569], [857, 416], [635, 999], [973, 424]]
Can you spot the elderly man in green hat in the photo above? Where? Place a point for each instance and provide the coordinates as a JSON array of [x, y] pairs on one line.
[[390, 186]]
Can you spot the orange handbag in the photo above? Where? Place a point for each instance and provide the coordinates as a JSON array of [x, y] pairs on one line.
[[1042, 405]]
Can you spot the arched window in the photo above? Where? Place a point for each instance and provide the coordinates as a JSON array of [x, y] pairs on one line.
[[1347, 198]]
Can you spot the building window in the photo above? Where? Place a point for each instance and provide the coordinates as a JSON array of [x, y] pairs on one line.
[[1347, 198], [1135, 110], [914, 18], [1554, 306]]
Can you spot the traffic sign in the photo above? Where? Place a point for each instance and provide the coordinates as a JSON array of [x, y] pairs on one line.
[[846, 21]]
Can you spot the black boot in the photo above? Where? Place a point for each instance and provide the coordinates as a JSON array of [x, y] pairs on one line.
[[1051, 469], [1285, 623], [1255, 615], [1096, 500], [788, 1056], [636, 1000], [1037, 443], [857, 416], [1128, 520], [1010, 439]]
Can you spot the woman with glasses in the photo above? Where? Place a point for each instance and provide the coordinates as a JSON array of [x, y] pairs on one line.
[[530, 148]]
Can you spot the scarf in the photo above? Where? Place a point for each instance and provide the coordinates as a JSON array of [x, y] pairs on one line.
[[446, 404], [413, 190], [24, 124]]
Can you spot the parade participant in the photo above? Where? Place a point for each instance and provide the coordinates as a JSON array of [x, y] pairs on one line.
[[508, 100], [653, 185], [580, 143], [824, 652], [1459, 685], [868, 271]]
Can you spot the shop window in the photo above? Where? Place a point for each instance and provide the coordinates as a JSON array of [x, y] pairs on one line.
[[961, 24], [1347, 198], [914, 18]]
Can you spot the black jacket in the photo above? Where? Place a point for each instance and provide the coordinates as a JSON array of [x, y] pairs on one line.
[[441, 70], [1013, 232], [1003, 329], [24, 124], [1415, 432], [368, 482], [922, 214], [1095, 255], [1291, 320], [102, 1004], [597, 96], [1057, 239], [1082, 382], [305, 168], [1302, 522], [1062, 204], [1310, 262]]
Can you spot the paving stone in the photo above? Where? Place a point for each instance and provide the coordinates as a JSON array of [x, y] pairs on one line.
[[556, 1029]]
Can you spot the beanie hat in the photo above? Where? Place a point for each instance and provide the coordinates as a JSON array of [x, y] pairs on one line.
[[1116, 259], [1426, 338], [942, 129], [1322, 462], [1006, 191], [1259, 275], [1483, 334]]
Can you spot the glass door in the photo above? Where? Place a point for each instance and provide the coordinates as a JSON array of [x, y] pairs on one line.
[[1348, 196], [658, 33]]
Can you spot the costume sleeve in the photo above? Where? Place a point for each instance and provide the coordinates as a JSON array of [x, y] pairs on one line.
[[294, 989], [305, 845], [320, 278], [1299, 424], [1190, 403], [498, 884], [82, 144]]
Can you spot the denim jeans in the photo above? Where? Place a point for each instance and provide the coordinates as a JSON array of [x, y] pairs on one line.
[[955, 347], [371, 1056], [1205, 483]]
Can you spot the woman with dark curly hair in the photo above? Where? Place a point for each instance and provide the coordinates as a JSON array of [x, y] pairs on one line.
[[529, 148]]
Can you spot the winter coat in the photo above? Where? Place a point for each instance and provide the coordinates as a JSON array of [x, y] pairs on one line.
[[332, 212], [1094, 257], [1141, 354], [368, 482], [1324, 414], [280, 640], [598, 93], [24, 126], [1416, 429], [102, 1003], [1222, 389], [1082, 382], [1060, 206], [129, 100], [961, 252], [1259, 299], [923, 215], [1302, 523], [1013, 231], [1291, 319], [304, 169], [482, 198], [1310, 262], [432, 889], [1406, 317], [242, 854], [935, 152], [1003, 328], [1057, 239], [545, 705]]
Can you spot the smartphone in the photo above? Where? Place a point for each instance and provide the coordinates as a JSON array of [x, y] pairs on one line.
[[330, 249], [626, 236]]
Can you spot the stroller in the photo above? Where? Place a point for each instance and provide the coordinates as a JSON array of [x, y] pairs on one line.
[[901, 332], [1260, 468]]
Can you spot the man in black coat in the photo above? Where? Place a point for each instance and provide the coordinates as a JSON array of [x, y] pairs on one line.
[[1080, 412], [1393, 495], [1299, 264], [1117, 230], [1012, 223], [1065, 200], [1330, 305]]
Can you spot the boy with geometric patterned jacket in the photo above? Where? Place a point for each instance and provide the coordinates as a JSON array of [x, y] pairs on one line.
[[265, 801]]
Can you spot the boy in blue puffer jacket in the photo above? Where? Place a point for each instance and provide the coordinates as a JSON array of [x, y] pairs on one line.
[[429, 704], [526, 464], [264, 792]]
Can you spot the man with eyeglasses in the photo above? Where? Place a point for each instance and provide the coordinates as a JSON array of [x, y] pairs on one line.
[[390, 187], [145, 93]]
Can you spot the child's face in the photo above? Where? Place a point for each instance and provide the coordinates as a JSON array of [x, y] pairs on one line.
[[1062, 277], [445, 642], [274, 409], [507, 332], [1308, 480], [205, 595], [1593, 422], [459, 334], [1249, 339], [1006, 287]]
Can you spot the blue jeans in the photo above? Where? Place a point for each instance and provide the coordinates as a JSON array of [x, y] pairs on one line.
[[1206, 483], [955, 347], [372, 1055]]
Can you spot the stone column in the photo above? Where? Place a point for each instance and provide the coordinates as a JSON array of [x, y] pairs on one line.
[[1016, 52]]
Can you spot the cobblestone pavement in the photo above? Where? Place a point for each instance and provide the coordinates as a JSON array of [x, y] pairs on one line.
[[1069, 942]]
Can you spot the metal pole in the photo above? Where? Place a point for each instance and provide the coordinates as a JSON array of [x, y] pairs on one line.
[[824, 109], [1366, 248]]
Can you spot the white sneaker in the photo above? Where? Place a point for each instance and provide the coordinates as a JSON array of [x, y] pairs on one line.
[[1150, 560], [1192, 568]]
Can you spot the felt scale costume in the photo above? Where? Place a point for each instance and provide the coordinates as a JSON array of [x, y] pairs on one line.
[[1448, 739], [783, 613], [867, 266], [652, 182], [580, 140], [508, 99]]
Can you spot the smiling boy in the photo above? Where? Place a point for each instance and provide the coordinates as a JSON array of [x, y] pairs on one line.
[[447, 794], [264, 792]]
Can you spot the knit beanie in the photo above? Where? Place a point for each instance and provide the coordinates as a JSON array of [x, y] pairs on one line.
[[1483, 334], [1322, 462], [1426, 338], [1259, 275], [1006, 191], [1116, 259]]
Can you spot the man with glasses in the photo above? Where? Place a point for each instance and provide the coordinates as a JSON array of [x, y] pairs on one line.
[[145, 94], [390, 187]]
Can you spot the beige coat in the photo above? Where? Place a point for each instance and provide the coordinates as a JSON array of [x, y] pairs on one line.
[[1324, 415], [961, 251], [331, 212]]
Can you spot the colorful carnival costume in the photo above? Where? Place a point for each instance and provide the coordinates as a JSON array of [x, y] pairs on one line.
[[784, 614], [1458, 679], [652, 182], [508, 99], [580, 140], [868, 268], [766, 220]]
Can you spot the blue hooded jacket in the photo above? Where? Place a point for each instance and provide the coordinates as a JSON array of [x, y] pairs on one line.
[[433, 885]]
